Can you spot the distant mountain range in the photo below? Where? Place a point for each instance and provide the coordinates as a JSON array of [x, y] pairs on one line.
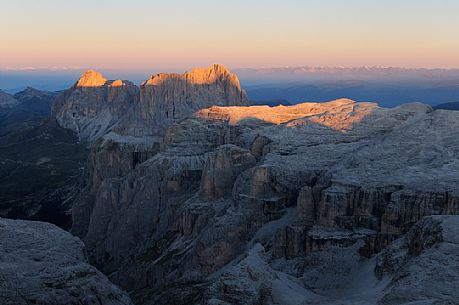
[[250, 76], [384, 93], [448, 106], [29, 99]]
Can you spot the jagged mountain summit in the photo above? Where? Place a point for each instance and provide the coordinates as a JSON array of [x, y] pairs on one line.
[[91, 78], [95, 106]]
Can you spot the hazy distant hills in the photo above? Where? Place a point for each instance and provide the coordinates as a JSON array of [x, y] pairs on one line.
[[40, 161], [384, 93], [34, 100], [448, 106], [29, 99], [25, 109], [385, 85], [313, 74]]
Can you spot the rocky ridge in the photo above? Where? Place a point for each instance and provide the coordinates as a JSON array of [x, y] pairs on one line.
[[6, 100], [36, 101], [244, 205], [95, 106]]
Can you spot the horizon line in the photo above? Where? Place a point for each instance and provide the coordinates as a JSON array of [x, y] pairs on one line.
[[79, 68]]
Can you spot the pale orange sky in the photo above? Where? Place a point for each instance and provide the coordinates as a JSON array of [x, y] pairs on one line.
[[182, 34]]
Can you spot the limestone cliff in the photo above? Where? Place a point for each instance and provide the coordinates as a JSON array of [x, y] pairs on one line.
[[95, 106], [246, 205], [166, 98]]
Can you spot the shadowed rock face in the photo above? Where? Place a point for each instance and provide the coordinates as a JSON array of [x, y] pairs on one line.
[[36, 101], [246, 205], [221, 170], [421, 263], [7, 101], [42, 264]]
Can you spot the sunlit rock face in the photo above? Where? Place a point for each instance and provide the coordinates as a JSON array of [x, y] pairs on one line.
[[168, 97], [91, 78], [339, 115], [93, 105], [175, 96], [42, 264], [246, 205]]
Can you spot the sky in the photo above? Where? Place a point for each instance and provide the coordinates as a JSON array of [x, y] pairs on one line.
[[178, 34]]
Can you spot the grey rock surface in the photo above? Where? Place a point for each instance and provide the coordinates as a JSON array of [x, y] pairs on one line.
[[423, 264], [268, 205], [42, 264], [168, 97], [94, 106]]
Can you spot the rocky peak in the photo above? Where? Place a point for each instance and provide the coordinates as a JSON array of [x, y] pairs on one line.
[[117, 83], [164, 98], [6, 100], [34, 100], [30, 92], [167, 97], [213, 74], [91, 78], [93, 105]]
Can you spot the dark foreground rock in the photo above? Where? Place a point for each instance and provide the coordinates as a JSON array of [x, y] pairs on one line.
[[42, 264]]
